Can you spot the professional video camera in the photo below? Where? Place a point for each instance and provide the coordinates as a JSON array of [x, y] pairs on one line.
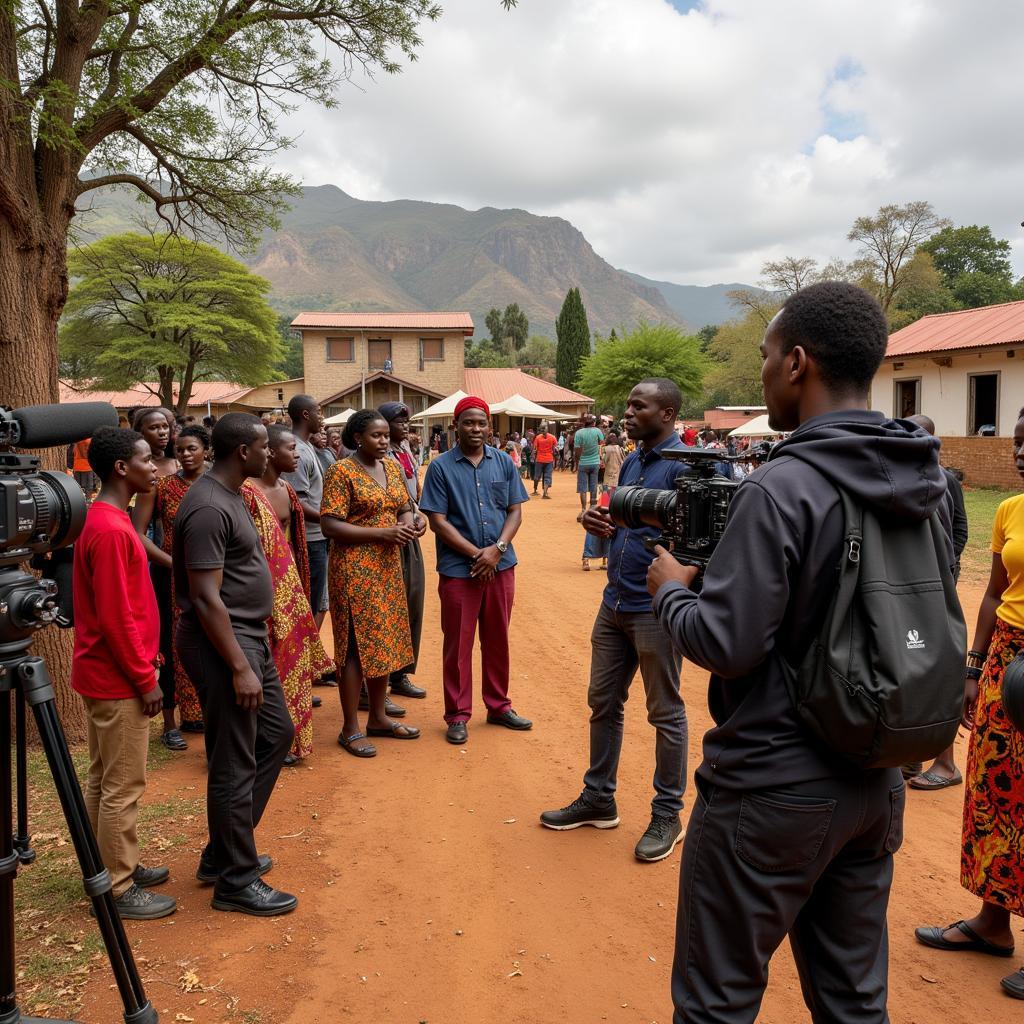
[[40, 513], [692, 516]]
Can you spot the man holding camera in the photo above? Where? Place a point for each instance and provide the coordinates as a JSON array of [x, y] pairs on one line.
[[626, 636], [785, 839]]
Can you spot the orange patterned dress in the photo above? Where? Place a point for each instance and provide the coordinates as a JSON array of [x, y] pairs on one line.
[[365, 581]]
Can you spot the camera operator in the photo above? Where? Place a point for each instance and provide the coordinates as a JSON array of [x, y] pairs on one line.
[[626, 636], [784, 839]]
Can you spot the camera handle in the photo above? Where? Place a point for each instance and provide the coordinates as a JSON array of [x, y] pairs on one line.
[[26, 679]]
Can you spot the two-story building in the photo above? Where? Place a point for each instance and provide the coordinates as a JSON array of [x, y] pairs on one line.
[[359, 360]]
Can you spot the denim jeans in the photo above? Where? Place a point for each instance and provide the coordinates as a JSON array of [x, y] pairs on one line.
[[586, 480], [317, 550], [620, 643], [596, 547]]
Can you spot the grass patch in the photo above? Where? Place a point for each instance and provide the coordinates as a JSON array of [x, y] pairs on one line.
[[981, 503]]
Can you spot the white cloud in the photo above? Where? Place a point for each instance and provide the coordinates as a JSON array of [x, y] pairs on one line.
[[693, 145]]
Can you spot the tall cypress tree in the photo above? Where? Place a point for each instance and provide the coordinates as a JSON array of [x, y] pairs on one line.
[[573, 333]]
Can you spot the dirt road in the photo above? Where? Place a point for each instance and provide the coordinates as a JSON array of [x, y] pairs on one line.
[[429, 893]]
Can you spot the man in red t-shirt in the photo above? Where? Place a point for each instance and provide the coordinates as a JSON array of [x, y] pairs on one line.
[[544, 445], [114, 666]]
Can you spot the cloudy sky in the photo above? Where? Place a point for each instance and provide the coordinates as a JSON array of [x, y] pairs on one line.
[[691, 141]]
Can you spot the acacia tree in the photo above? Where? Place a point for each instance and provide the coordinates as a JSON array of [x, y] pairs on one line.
[[181, 100], [170, 310]]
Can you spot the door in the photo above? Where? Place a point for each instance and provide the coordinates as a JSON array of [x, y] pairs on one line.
[[908, 398], [983, 404]]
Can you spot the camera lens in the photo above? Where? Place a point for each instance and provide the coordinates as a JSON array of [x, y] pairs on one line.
[[38, 512], [635, 507]]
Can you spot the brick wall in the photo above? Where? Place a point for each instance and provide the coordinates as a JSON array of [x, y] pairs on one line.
[[323, 378], [984, 461]]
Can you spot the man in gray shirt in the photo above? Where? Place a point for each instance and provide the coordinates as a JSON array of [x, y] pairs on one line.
[[308, 481]]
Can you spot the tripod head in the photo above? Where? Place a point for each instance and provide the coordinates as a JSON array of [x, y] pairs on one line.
[[27, 605]]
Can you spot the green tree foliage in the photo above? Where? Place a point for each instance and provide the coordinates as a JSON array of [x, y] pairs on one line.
[[974, 265], [509, 330], [538, 351], [651, 350], [291, 364], [573, 334], [495, 326], [888, 241], [159, 307], [734, 373], [486, 353], [706, 335], [923, 292]]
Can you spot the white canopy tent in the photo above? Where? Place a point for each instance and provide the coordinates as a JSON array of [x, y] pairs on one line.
[[340, 420], [516, 405], [439, 410], [757, 427]]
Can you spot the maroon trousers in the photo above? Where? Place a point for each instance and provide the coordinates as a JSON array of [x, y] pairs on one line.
[[464, 603]]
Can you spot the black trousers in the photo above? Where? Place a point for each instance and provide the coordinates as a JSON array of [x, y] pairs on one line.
[[812, 861], [415, 584], [244, 751], [161, 578]]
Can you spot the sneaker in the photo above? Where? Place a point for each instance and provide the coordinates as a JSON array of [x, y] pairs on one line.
[[138, 904], [663, 834], [580, 812], [148, 877]]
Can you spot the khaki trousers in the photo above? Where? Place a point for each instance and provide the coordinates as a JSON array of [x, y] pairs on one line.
[[118, 744]]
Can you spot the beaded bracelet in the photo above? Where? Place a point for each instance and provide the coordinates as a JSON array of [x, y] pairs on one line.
[[973, 673]]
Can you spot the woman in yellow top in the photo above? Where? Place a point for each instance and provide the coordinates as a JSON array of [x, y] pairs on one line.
[[992, 858]]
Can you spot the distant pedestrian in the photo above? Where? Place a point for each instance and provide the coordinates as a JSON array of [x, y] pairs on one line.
[[544, 444], [587, 445]]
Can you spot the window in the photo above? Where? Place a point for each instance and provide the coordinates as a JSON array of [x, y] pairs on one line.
[[341, 350], [431, 349], [379, 354], [908, 398], [983, 404]]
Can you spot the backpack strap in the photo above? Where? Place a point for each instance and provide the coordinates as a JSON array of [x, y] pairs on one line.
[[853, 535]]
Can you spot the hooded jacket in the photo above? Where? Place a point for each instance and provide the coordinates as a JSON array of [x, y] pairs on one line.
[[768, 584]]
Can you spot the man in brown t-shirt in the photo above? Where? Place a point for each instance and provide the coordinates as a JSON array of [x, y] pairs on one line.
[[225, 595]]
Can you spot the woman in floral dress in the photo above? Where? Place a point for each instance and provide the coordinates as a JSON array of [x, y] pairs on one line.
[[366, 515]]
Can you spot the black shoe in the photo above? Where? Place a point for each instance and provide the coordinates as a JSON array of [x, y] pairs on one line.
[[457, 733], [390, 709], [661, 837], [510, 720], [173, 740], [330, 679], [207, 874], [257, 898], [137, 904], [317, 701], [290, 760], [578, 813], [196, 726], [405, 687], [146, 878]]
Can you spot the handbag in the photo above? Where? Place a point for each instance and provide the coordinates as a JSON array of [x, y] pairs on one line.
[[1013, 692]]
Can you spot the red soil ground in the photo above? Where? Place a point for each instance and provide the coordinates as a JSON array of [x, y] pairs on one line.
[[429, 893]]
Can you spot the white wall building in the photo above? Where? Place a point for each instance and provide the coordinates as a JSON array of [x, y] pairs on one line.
[[965, 370]]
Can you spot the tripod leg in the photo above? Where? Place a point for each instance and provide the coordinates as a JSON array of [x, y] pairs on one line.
[[8, 869], [22, 842], [34, 681]]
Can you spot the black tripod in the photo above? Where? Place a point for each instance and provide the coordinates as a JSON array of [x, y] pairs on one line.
[[24, 602]]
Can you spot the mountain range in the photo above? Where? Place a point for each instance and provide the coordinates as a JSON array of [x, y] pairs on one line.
[[335, 252]]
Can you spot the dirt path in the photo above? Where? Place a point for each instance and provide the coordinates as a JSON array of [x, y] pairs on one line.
[[429, 892]]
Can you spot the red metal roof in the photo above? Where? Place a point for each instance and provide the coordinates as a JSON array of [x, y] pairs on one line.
[[495, 385], [386, 321], [216, 392], [964, 329]]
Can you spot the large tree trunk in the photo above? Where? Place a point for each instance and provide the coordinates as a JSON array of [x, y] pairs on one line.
[[33, 289]]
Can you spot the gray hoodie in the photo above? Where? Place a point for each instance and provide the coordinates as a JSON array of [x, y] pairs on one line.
[[769, 582]]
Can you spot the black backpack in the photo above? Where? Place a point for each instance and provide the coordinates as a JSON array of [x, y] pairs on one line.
[[882, 684]]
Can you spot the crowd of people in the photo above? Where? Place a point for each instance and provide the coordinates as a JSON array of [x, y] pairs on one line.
[[210, 558]]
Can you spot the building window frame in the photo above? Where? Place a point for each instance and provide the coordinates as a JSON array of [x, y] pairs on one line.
[[350, 358], [972, 426], [389, 358], [424, 358], [897, 389]]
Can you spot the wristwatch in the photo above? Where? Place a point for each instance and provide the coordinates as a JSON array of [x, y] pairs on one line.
[[501, 545]]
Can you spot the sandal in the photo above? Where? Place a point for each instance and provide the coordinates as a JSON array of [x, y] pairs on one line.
[[976, 944], [1014, 984], [173, 740], [586, 565], [346, 742], [396, 731], [931, 780]]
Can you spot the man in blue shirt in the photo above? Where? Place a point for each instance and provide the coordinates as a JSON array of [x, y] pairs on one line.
[[626, 636], [472, 497]]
